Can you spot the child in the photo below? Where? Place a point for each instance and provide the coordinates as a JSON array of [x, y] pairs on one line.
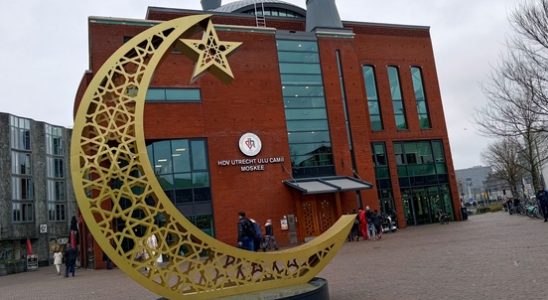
[[58, 260]]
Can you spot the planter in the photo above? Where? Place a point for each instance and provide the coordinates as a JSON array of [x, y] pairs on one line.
[[20, 266], [10, 268]]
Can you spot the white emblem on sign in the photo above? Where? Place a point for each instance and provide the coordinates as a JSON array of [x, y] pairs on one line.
[[250, 144]]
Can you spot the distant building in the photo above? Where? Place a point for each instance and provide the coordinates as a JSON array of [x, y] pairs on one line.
[[478, 184], [36, 196], [496, 188], [471, 183]]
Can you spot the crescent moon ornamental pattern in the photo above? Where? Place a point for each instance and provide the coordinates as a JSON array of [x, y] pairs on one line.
[[126, 209]]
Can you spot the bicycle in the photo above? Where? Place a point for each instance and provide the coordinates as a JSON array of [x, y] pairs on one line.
[[443, 218], [532, 210]]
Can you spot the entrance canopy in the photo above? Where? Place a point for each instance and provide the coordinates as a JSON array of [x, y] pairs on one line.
[[323, 185]]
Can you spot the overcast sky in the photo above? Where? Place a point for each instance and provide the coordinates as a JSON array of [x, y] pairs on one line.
[[44, 52]]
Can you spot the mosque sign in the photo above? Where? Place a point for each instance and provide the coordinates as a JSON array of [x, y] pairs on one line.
[[250, 145]]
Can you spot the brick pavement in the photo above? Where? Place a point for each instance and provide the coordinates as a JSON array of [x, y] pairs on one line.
[[491, 256]]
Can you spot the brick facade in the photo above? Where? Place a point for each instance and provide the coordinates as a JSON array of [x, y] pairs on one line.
[[253, 102]]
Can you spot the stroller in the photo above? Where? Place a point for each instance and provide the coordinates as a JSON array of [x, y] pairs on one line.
[[269, 243], [388, 225]]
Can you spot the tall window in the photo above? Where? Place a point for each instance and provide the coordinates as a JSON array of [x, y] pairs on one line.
[[372, 98], [422, 107], [20, 133], [181, 167], [397, 99], [382, 177], [22, 191], [20, 163], [305, 111], [55, 173], [173, 94]]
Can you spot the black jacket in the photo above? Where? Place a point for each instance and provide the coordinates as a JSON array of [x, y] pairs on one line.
[[242, 223], [70, 255]]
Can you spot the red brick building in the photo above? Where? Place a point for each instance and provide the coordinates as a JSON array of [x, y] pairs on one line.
[[335, 105]]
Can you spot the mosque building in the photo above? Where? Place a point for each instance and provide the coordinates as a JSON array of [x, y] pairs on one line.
[[322, 117]]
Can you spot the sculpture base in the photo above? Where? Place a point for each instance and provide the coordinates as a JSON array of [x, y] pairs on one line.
[[315, 289]]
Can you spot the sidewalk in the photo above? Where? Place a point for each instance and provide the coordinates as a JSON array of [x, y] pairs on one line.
[[490, 256], [45, 284]]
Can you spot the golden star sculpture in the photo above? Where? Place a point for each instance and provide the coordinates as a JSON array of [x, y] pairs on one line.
[[210, 52]]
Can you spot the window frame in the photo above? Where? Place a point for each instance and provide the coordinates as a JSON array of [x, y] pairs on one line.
[[165, 95], [403, 114], [424, 96], [376, 99]]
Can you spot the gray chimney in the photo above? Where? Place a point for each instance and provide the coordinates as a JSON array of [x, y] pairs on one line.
[[322, 13], [210, 4]]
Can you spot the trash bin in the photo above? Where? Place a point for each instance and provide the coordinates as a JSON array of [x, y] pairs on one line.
[[464, 213]]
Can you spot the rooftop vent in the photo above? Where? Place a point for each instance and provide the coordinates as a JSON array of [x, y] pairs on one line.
[[210, 4]]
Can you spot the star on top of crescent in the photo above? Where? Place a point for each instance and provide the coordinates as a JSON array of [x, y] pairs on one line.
[[211, 53]]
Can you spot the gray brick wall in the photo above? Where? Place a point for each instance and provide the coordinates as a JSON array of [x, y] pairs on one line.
[[5, 171]]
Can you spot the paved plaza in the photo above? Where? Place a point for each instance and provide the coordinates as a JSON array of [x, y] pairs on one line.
[[491, 256]]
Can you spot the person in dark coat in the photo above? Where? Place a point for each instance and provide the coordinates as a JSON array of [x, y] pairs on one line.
[[542, 197], [355, 231], [108, 262], [377, 220], [70, 259], [258, 238], [246, 233]]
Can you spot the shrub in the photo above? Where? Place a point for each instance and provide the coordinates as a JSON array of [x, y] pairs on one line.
[[483, 209], [495, 207]]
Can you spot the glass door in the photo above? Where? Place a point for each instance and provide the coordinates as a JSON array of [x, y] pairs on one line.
[[407, 207], [447, 204], [435, 202], [422, 206]]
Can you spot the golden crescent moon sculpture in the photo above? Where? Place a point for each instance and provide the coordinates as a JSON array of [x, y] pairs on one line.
[[127, 211]]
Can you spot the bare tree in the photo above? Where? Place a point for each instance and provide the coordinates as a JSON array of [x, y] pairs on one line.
[[530, 23], [518, 90], [503, 157], [513, 113]]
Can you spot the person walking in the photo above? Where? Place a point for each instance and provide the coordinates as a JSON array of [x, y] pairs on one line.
[[369, 217], [542, 197], [58, 260], [509, 205], [363, 223], [355, 231], [246, 232], [70, 259], [377, 223], [152, 244], [258, 237], [269, 239], [107, 261]]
